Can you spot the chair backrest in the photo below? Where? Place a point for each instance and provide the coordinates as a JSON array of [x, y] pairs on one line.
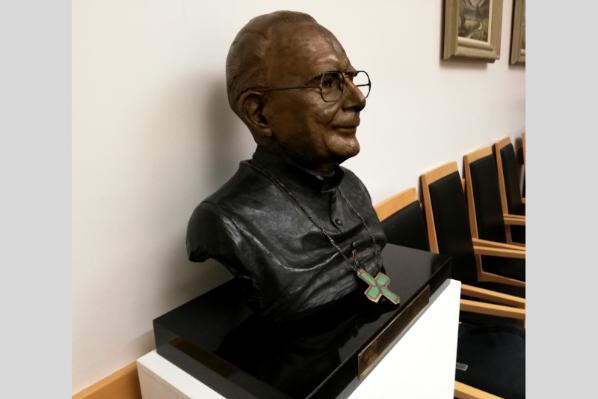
[[447, 221], [403, 221], [524, 164], [508, 180], [523, 145], [483, 196]]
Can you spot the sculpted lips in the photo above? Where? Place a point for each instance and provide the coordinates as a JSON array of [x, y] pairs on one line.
[[347, 125]]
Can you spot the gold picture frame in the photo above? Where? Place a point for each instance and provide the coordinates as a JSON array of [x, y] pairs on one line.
[[472, 29], [518, 33]]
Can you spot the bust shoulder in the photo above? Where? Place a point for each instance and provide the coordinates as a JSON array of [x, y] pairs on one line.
[[245, 187]]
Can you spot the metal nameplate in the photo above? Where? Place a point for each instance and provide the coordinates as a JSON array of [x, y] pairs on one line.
[[369, 356]]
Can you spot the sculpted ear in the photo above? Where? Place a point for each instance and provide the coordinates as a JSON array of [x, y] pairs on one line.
[[251, 105]]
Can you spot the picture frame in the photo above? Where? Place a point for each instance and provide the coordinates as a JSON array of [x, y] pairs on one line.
[[472, 29], [518, 33]]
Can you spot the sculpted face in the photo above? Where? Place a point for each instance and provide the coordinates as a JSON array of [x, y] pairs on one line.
[[316, 134]]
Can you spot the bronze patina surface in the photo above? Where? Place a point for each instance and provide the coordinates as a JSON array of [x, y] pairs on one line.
[[287, 222]]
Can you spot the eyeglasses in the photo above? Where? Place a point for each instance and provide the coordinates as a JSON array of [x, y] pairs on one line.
[[332, 84]]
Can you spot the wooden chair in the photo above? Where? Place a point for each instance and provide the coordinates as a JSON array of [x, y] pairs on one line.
[[403, 222], [486, 218], [523, 163], [512, 202], [449, 233], [511, 199], [520, 151], [523, 146]]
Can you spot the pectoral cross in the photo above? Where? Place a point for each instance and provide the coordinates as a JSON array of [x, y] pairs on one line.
[[377, 286]]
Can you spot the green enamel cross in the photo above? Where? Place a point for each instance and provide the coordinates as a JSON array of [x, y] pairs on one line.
[[378, 286]]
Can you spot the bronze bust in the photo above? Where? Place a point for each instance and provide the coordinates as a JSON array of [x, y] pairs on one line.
[[296, 228]]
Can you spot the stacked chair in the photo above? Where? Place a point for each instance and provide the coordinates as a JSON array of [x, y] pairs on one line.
[[523, 162], [521, 159], [493, 352], [487, 218], [449, 233], [403, 220], [512, 202], [474, 230]]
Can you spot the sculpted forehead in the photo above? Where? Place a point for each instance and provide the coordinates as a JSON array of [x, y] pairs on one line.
[[304, 51]]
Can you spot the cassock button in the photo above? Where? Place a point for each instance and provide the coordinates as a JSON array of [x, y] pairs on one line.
[[338, 222]]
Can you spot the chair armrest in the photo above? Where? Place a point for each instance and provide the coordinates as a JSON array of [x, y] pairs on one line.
[[493, 296], [464, 391], [492, 309], [504, 253], [495, 244], [514, 220]]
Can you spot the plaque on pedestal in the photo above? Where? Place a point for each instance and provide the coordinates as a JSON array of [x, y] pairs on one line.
[[217, 339]]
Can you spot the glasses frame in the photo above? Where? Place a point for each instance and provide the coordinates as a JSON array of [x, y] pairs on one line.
[[344, 75]]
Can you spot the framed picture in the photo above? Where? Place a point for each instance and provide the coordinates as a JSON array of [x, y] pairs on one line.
[[518, 33], [472, 29]]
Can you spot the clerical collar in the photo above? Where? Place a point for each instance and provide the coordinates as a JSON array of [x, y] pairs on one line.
[[286, 170]]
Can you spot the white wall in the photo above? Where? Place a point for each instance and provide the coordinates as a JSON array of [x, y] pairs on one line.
[[153, 136]]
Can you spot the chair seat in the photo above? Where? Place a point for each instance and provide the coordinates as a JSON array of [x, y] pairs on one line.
[[495, 356], [513, 268]]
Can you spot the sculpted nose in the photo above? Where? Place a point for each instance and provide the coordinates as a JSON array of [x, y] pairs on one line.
[[353, 98]]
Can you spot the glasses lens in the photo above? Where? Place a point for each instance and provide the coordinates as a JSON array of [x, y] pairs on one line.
[[331, 86], [362, 81]]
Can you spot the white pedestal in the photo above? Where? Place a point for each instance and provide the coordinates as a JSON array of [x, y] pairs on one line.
[[420, 365]]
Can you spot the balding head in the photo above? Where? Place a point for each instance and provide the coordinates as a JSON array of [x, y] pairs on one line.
[[251, 54], [275, 70]]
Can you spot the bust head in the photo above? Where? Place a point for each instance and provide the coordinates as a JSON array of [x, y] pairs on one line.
[[275, 74]]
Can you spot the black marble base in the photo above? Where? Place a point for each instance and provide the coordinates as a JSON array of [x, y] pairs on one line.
[[220, 341]]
